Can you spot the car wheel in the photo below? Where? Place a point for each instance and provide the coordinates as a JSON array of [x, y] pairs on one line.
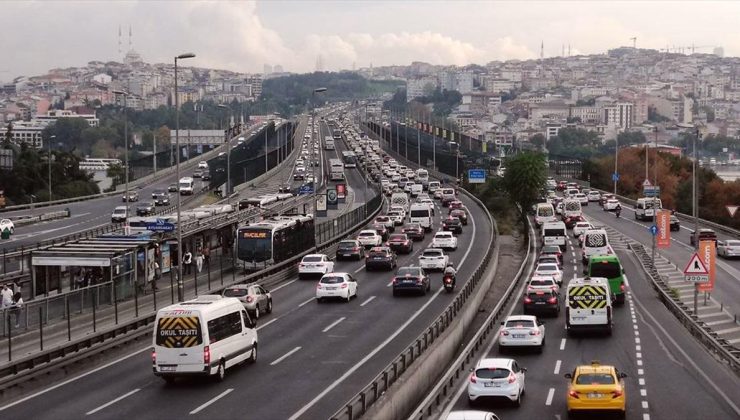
[[221, 372], [257, 311], [169, 380], [269, 307], [395, 292], [253, 356], [318, 300], [349, 296], [501, 349]]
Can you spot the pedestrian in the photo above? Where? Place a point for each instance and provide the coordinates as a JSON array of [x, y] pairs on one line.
[[157, 275], [199, 261], [207, 256], [16, 307], [7, 296], [187, 261]]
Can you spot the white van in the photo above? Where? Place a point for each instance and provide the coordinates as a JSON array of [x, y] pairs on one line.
[[422, 176], [588, 305], [416, 190], [202, 337], [433, 185], [186, 185], [572, 208], [553, 233], [545, 213], [645, 208], [400, 199], [421, 213], [595, 242]]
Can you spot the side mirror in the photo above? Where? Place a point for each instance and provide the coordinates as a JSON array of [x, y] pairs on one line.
[[622, 375], [623, 271], [568, 376], [502, 322], [523, 369]]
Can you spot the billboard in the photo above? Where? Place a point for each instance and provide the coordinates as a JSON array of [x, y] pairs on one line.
[[663, 221], [708, 255]]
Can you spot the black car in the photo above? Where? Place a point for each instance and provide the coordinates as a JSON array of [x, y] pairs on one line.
[[414, 231], [553, 250], [172, 188], [412, 279], [350, 248], [571, 221], [161, 198], [380, 256], [703, 235], [145, 208], [400, 242], [206, 176], [382, 230], [452, 224], [675, 224], [542, 301]]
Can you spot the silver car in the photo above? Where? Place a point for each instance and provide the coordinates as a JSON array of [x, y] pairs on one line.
[[255, 298]]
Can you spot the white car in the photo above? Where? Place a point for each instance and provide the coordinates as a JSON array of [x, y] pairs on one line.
[[543, 283], [497, 378], [202, 164], [336, 285], [368, 238], [726, 249], [389, 223], [315, 264], [438, 193], [444, 240], [433, 186], [397, 217], [7, 224], [433, 259], [119, 214], [611, 204], [398, 209], [551, 270], [582, 198], [471, 415], [594, 196], [559, 208], [521, 331], [581, 227]]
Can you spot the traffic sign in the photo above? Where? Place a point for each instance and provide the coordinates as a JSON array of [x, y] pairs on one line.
[[651, 191], [615, 176], [732, 210], [646, 183], [696, 271], [476, 176], [160, 226], [305, 189], [654, 230]]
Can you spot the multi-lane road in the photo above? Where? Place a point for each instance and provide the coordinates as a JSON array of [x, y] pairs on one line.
[[671, 376], [312, 357]]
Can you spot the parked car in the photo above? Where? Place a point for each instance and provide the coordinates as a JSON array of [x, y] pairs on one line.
[[411, 279], [255, 298], [380, 256]]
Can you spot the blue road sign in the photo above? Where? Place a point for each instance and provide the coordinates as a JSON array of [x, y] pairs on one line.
[[476, 176], [615, 176], [651, 191], [305, 189], [160, 226], [654, 230]]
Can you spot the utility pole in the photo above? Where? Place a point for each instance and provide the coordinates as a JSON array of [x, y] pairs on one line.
[[418, 145], [695, 210]]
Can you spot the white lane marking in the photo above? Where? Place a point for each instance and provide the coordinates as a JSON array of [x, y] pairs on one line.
[[639, 363], [645, 416], [211, 401], [645, 405], [639, 355], [333, 324], [557, 367], [641, 381], [562, 344], [362, 267], [61, 384], [108, 404], [283, 285], [638, 348], [370, 299], [304, 303], [266, 324], [389, 284], [550, 394], [643, 392], [285, 356], [382, 345], [640, 372]]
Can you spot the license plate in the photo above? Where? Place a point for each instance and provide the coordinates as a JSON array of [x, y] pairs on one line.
[[491, 385], [408, 281], [594, 395], [518, 335], [539, 303], [168, 368], [331, 288]]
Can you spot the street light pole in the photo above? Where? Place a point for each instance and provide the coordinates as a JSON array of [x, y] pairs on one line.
[[695, 211], [53, 136], [180, 290], [418, 144], [655, 181], [125, 146], [228, 153], [314, 145], [616, 161]]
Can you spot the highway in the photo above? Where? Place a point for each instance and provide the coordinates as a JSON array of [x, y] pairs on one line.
[[671, 376], [312, 358]]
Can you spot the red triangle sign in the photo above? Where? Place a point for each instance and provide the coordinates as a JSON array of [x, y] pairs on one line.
[[695, 266], [732, 210]]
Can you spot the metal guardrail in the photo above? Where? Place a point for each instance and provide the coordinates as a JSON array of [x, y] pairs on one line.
[[30, 367], [711, 340], [460, 367], [28, 220], [371, 393]]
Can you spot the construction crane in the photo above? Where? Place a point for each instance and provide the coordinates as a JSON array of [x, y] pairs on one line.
[[634, 42]]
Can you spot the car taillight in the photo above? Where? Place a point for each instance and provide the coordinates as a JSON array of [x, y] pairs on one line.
[[394, 280], [616, 394], [512, 378], [622, 287], [504, 333], [249, 299], [534, 332], [473, 379], [419, 281], [573, 394], [154, 357], [344, 285], [527, 299], [207, 355], [356, 248], [318, 286], [552, 300]]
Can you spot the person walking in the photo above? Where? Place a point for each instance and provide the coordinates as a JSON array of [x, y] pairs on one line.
[[16, 307], [157, 275], [7, 296], [199, 261], [207, 256], [187, 261]]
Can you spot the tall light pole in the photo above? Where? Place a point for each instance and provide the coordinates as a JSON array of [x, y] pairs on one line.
[[616, 161], [180, 290], [313, 144], [418, 144], [53, 136], [228, 155], [125, 146], [695, 211]]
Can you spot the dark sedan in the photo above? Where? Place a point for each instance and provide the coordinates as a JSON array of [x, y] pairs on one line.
[[161, 198], [380, 257], [452, 224], [412, 279], [145, 208], [172, 188], [400, 243], [675, 224], [382, 230], [350, 248], [414, 231], [460, 214], [542, 301]]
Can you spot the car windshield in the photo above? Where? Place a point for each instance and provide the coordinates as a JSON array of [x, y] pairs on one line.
[[347, 245], [235, 292], [551, 250], [492, 373], [331, 280], [432, 254], [595, 379], [367, 234], [411, 271], [733, 243], [547, 267], [398, 237], [540, 282], [311, 258], [607, 269], [519, 323], [412, 227]]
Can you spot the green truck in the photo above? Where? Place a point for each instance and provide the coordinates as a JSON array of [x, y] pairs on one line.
[[609, 267]]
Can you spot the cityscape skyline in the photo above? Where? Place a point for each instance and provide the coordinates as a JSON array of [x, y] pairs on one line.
[[349, 35]]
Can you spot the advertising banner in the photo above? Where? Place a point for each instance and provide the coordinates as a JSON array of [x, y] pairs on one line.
[[663, 221], [708, 255]]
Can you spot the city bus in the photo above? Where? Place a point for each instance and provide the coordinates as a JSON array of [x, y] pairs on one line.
[[350, 159], [328, 143], [336, 170], [274, 240]]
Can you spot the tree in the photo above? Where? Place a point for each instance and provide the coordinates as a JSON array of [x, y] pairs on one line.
[[631, 137], [538, 140], [525, 178]]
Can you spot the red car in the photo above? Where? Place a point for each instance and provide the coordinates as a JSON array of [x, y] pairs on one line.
[[414, 231], [561, 185], [400, 243]]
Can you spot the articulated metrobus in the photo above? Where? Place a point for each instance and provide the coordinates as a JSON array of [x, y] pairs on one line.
[[336, 170], [350, 159], [275, 239]]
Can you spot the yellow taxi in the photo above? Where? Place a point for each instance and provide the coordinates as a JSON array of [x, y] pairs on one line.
[[596, 387]]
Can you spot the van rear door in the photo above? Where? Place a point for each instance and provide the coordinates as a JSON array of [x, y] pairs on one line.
[[179, 342]]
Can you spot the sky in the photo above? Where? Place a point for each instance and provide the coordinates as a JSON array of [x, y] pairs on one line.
[[245, 35]]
